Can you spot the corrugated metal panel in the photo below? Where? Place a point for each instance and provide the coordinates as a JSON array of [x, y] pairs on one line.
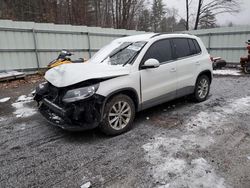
[[21, 40], [227, 42], [16, 40], [17, 60]]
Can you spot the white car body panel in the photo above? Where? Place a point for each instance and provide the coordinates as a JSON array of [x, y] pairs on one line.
[[131, 81], [154, 84], [186, 69], [69, 74]]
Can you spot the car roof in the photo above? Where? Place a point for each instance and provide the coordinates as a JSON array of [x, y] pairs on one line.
[[175, 35], [136, 38], [150, 36]]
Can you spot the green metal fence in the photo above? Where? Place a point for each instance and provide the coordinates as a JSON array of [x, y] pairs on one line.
[[29, 46], [226, 42]]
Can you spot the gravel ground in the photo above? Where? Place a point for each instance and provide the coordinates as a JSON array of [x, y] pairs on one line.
[[177, 144]]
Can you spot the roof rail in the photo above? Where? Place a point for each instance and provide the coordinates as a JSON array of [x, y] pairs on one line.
[[157, 34]]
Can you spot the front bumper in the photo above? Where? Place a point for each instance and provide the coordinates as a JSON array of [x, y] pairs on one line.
[[75, 117]]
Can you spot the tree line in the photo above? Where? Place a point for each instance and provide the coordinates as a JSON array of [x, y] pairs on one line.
[[145, 15]]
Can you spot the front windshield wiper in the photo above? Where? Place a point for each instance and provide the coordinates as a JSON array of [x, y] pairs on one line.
[[116, 51]]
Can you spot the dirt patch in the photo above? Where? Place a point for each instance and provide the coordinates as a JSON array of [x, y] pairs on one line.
[[29, 79]]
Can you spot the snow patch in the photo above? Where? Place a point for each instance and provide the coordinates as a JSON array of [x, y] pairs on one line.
[[4, 99], [200, 174], [24, 98], [233, 72], [22, 110], [86, 185], [218, 116], [248, 157], [171, 169], [21, 127], [169, 156], [204, 120], [33, 92], [240, 105], [2, 119]]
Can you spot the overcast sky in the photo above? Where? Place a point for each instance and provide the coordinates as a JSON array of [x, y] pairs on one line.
[[242, 18]]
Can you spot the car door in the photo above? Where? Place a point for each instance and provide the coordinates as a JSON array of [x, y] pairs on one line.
[[186, 64], [158, 84]]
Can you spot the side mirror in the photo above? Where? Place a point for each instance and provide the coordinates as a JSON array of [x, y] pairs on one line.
[[150, 63]]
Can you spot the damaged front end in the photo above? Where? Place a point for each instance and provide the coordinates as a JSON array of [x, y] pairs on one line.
[[75, 107]]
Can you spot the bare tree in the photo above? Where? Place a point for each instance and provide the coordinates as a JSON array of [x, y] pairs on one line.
[[188, 3], [207, 21], [187, 15], [215, 7], [104, 13]]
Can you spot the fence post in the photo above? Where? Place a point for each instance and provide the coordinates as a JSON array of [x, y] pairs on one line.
[[209, 42], [35, 45], [89, 45]]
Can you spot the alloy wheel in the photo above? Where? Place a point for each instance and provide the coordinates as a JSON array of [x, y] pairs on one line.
[[119, 115], [203, 88]]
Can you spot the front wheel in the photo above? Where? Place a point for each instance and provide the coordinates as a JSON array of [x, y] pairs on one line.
[[202, 88], [119, 114]]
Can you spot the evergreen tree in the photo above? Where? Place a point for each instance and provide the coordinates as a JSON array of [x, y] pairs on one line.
[[144, 21], [157, 15]]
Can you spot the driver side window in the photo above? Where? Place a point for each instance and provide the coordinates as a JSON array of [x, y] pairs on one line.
[[160, 50]]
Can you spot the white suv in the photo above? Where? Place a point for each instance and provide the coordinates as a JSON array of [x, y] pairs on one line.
[[128, 75]]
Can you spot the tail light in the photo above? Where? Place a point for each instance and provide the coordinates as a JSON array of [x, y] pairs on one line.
[[211, 58]]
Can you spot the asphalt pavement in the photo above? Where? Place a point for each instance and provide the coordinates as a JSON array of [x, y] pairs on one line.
[[176, 144]]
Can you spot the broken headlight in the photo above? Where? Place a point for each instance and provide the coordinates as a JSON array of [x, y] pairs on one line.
[[42, 88], [80, 93]]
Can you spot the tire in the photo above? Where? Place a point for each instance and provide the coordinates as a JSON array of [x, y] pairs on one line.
[[214, 66], [202, 88], [245, 69], [119, 114]]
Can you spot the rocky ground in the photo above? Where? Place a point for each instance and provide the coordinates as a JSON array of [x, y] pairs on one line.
[[176, 144]]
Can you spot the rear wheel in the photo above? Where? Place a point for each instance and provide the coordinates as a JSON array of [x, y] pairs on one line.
[[119, 114], [246, 70], [202, 88]]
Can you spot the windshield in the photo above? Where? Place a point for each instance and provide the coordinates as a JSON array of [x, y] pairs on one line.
[[125, 53], [120, 55]]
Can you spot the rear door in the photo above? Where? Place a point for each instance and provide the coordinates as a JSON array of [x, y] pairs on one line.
[[186, 63], [158, 84]]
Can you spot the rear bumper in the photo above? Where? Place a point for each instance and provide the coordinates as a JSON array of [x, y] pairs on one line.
[[61, 117]]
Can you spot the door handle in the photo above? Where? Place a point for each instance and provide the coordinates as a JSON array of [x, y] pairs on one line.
[[173, 70], [197, 63]]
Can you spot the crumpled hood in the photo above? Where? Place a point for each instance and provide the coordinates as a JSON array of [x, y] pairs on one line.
[[73, 73]]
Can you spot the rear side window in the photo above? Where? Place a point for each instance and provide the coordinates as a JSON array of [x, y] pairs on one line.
[[197, 46], [160, 50], [181, 47], [192, 47], [184, 47]]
